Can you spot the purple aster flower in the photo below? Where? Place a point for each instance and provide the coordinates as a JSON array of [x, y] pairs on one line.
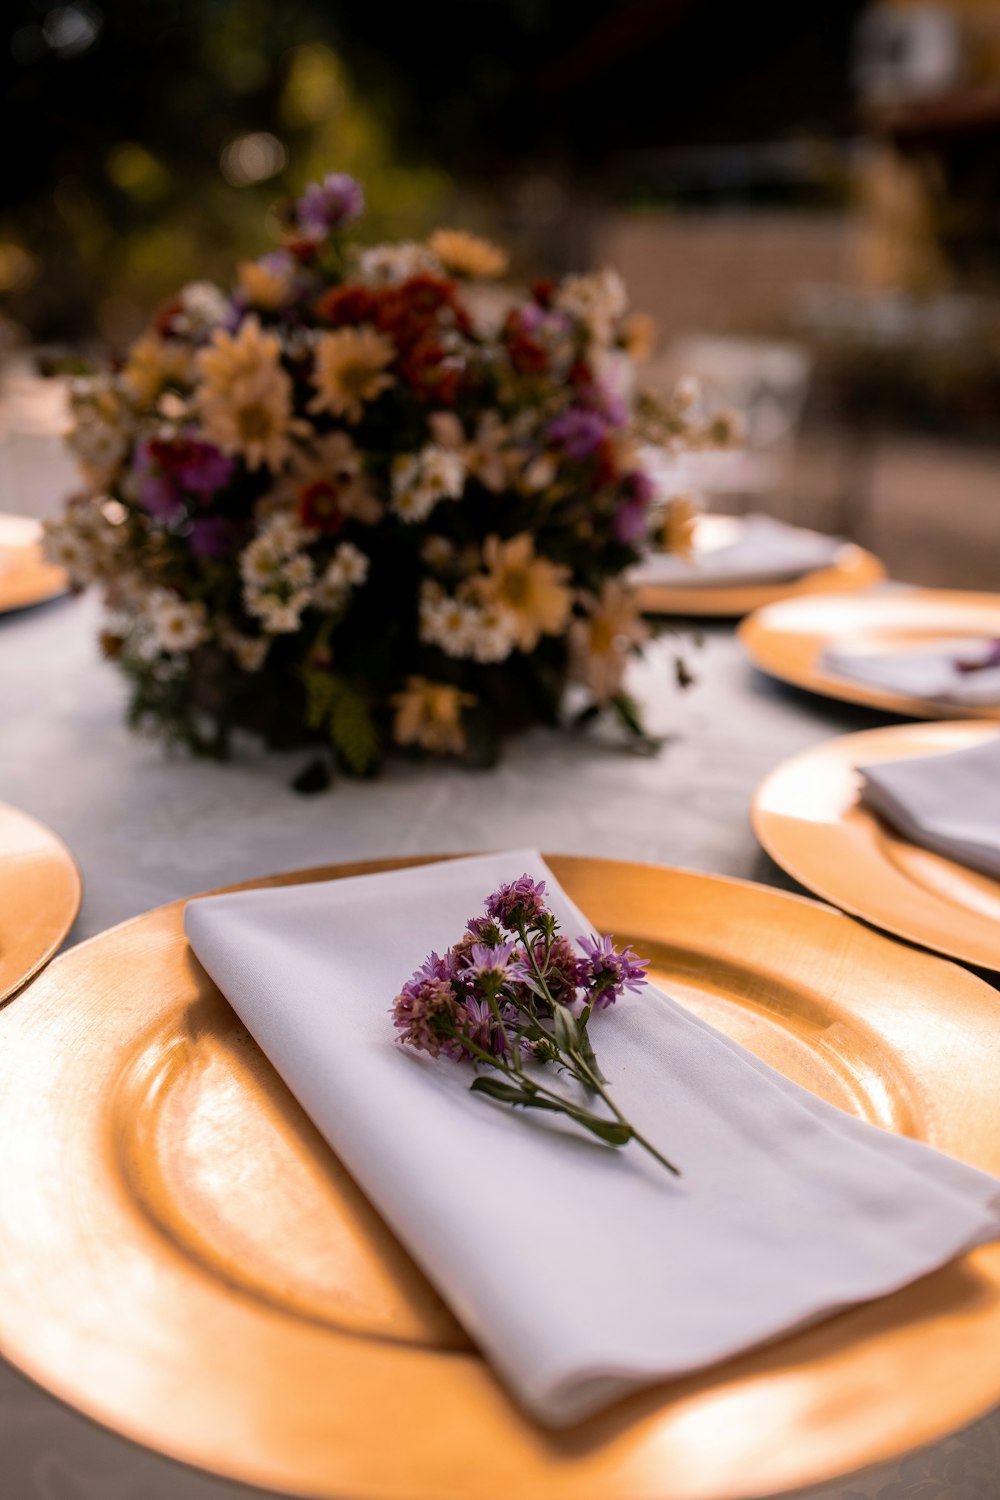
[[328, 205], [607, 972], [213, 536], [478, 1024], [426, 1013], [612, 406], [436, 967], [629, 521], [200, 467], [990, 658], [158, 492], [518, 904], [578, 432], [530, 317], [563, 973], [490, 961]]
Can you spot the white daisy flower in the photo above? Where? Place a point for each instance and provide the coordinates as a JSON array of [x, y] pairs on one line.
[[420, 480], [176, 625], [349, 565], [299, 570]]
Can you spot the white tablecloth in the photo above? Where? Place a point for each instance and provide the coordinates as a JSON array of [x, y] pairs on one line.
[[148, 828]]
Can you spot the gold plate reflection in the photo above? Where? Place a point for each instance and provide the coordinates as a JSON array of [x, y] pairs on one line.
[[809, 817], [853, 568], [186, 1261], [788, 639], [39, 897], [25, 577]]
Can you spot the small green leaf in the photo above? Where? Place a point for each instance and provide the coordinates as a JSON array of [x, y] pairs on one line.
[[564, 1027], [507, 1093], [586, 1049], [612, 1131]]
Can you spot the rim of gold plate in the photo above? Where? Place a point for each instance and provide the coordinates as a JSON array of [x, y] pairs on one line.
[[787, 641], [186, 1262], [809, 817], [25, 577], [40, 892]]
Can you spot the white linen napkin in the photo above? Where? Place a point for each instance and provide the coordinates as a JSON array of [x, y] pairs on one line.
[[948, 803], [580, 1270], [761, 550], [928, 672]]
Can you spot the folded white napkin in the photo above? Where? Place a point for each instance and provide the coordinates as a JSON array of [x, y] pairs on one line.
[[948, 803], [581, 1271], [928, 672], [752, 549]]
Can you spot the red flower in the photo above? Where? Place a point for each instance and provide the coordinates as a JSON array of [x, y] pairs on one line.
[[165, 318], [543, 291], [427, 370], [580, 373], [347, 305], [527, 355], [410, 311], [319, 508], [607, 466], [304, 250]]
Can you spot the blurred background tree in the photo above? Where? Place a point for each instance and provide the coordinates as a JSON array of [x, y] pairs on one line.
[[147, 138]]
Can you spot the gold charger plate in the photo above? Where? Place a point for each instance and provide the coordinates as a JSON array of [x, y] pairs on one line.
[[853, 568], [39, 897], [787, 640], [25, 577], [186, 1261], [809, 818]]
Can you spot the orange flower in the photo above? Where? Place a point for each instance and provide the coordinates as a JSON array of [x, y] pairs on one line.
[[429, 714]]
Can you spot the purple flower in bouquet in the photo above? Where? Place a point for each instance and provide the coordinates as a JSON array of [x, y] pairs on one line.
[[482, 1028], [608, 971], [518, 904], [629, 520], [329, 205], [214, 536], [989, 658], [521, 1004], [578, 431], [427, 1014], [158, 492], [201, 468], [168, 468], [488, 962]]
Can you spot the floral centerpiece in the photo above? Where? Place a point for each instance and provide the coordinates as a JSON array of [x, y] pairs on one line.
[[370, 495]]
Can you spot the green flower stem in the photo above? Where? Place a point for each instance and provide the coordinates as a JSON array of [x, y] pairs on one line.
[[575, 1065]]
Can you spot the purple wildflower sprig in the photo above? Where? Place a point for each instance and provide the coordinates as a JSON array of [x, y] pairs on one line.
[[511, 994], [989, 658]]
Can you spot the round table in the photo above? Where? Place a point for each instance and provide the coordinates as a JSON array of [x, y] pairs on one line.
[[149, 827]]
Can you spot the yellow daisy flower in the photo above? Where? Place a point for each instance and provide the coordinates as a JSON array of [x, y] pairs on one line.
[[350, 370], [531, 591], [245, 396]]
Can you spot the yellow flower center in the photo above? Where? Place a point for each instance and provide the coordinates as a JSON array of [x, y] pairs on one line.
[[254, 422], [602, 637], [354, 375], [515, 586]]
